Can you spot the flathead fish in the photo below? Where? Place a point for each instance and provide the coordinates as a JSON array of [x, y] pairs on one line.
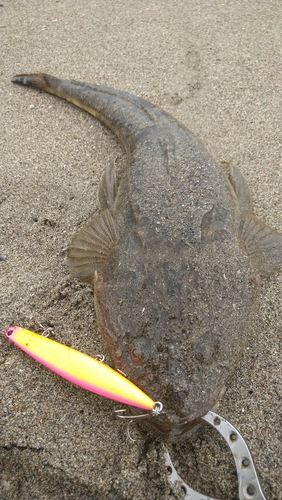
[[174, 256]]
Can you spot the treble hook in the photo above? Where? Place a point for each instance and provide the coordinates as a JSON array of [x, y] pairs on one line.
[[155, 411]]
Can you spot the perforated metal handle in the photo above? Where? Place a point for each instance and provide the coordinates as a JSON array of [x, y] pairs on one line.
[[174, 479], [249, 486]]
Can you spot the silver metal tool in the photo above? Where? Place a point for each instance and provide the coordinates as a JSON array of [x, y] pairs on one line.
[[249, 486]]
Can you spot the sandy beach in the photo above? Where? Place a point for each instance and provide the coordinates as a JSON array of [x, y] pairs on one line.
[[216, 67]]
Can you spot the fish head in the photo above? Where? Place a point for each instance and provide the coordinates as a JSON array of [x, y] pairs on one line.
[[176, 331]]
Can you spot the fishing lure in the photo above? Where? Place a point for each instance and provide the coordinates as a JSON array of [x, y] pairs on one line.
[[81, 369]]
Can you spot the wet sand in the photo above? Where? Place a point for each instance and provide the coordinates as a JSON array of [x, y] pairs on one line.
[[215, 66]]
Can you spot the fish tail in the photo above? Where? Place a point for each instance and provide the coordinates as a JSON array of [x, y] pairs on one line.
[[129, 117], [68, 90], [37, 80]]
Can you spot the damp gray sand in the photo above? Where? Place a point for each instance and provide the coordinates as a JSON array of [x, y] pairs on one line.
[[215, 67]]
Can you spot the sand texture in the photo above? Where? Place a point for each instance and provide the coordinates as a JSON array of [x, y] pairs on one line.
[[216, 67]]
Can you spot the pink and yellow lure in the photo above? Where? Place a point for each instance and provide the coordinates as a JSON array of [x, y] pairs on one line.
[[79, 368]]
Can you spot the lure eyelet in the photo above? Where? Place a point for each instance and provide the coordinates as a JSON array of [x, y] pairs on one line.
[[154, 412]]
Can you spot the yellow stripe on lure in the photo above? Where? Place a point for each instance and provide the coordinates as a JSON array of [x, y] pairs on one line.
[[79, 368]]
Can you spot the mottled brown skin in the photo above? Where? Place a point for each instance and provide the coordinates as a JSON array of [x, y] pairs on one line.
[[176, 293]]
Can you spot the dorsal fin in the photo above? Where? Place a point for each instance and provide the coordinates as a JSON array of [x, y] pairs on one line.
[[262, 243], [108, 187], [91, 246]]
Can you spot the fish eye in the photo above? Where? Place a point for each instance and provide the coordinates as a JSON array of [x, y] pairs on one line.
[[136, 357]]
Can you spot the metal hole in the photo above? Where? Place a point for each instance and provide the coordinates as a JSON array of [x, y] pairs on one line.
[[245, 462], [216, 421], [233, 437], [251, 490], [169, 468], [184, 488]]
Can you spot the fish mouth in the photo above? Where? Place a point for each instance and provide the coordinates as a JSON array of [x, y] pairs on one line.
[[172, 426], [169, 427]]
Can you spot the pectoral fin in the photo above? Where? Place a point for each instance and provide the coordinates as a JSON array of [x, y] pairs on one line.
[[262, 243], [240, 188], [92, 246]]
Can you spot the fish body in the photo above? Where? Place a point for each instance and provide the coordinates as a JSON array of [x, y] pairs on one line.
[[173, 256]]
